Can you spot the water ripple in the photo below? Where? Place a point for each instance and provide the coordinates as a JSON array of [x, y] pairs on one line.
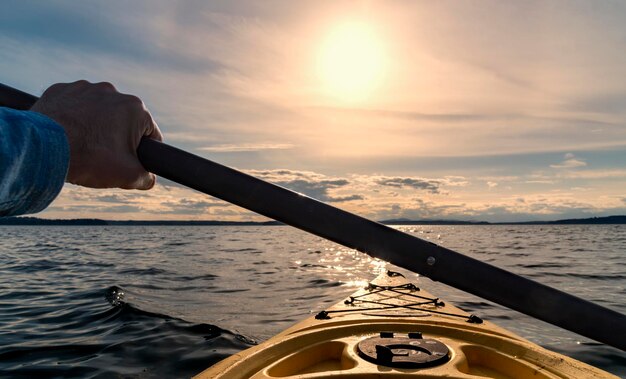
[[151, 302]]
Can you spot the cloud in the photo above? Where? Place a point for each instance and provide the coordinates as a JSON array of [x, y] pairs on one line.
[[406, 115], [180, 136], [190, 206], [492, 184], [340, 199], [235, 148], [541, 181], [501, 178], [611, 102], [120, 209], [548, 206], [316, 189], [113, 198], [81, 209], [431, 186], [162, 202], [595, 174], [570, 161], [467, 202], [239, 72], [235, 77], [100, 28], [312, 184], [462, 118], [417, 209], [284, 175], [454, 181]]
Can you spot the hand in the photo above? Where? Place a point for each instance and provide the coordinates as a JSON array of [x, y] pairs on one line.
[[104, 128]]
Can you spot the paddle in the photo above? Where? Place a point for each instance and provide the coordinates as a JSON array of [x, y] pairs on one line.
[[377, 240]]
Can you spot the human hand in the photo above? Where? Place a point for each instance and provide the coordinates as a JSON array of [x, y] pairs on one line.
[[104, 129]]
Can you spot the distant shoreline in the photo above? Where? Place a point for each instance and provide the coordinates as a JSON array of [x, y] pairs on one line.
[[608, 220]]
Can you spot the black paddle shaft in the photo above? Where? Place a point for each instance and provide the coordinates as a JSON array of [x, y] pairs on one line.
[[377, 240]]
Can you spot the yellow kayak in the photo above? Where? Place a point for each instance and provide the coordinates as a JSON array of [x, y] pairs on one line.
[[393, 329]]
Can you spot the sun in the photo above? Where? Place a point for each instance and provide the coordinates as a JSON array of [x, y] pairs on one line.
[[351, 62]]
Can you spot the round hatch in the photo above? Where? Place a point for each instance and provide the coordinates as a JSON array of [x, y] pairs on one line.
[[406, 351]]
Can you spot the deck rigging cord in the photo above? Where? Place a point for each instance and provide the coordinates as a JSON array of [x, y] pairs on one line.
[[405, 290]]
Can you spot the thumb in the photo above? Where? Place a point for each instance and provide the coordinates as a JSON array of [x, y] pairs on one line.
[[142, 181]]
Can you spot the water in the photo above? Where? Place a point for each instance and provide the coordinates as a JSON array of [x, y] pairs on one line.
[[146, 302]]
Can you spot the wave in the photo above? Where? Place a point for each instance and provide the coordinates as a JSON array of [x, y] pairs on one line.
[[117, 339]]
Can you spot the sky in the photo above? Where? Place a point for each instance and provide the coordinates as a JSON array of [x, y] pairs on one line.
[[465, 110]]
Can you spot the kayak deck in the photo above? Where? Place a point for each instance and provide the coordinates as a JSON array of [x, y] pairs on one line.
[[394, 329]]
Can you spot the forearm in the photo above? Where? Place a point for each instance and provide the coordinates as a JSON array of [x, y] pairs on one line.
[[34, 159]]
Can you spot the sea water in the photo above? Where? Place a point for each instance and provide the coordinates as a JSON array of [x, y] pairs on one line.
[[165, 301]]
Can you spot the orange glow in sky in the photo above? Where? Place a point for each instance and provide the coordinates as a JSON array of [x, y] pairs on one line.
[[351, 62], [491, 110]]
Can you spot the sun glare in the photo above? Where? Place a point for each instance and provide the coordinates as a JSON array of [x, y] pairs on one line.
[[351, 62]]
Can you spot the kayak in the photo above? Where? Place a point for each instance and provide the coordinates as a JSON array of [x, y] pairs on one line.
[[394, 329]]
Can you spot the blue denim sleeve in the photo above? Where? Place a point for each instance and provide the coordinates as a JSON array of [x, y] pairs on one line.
[[34, 158]]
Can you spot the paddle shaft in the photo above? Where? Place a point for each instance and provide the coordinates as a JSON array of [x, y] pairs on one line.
[[377, 240]]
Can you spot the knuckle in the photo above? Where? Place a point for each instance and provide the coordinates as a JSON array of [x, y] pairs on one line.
[[133, 102], [106, 86], [68, 87], [55, 88], [133, 99]]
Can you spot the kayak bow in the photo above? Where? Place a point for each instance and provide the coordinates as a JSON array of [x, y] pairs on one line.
[[393, 329]]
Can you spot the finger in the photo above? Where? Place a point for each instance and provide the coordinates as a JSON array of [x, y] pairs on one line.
[[123, 171], [152, 129], [153, 180], [145, 182], [57, 88], [105, 86], [138, 179], [78, 83], [77, 86]]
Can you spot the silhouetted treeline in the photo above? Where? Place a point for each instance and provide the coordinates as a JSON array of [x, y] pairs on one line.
[[92, 221]]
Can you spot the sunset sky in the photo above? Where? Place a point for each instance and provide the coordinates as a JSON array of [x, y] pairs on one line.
[[473, 110]]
